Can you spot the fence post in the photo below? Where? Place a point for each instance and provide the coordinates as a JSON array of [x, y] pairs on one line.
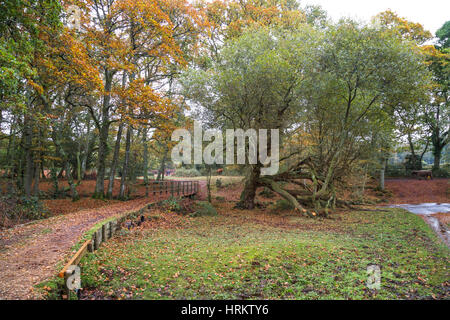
[[98, 238], [105, 231]]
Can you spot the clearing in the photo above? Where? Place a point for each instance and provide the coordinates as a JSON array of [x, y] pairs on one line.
[[269, 253]]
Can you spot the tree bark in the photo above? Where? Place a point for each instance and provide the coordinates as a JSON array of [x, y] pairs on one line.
[[382, 170], [115, 160], [103, 139], [125, 163], [36, 179], [73, 189], [86, 150], [247, 200], [162, 168], [28, 179], [437, 152], [145, 159]]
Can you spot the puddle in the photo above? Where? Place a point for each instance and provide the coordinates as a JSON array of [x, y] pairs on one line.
[[427, 210], [424, 208]]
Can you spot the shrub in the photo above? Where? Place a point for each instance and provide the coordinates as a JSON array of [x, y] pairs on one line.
[[172, 204], [441, 173], [204, 208], [18, 209], [396, 172], [219, 183], [183, 172]]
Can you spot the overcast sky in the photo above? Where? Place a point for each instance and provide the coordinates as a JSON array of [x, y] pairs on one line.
[[432, 14]]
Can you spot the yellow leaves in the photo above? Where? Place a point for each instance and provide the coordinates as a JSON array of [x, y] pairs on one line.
[[36, 86], [139, 103], [407, 29]]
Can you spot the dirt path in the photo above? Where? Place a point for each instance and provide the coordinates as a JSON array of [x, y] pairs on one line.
[[29, 253]]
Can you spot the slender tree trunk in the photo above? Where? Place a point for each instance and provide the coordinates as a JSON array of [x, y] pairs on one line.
[[9, 159], [37, 171], [28, 131], [437, 152], [383, 168], [73, 189], [101, 164], [54, 176], [86, 150], [145, 164], [162, 168], [125, 163], [208, 183], [115, 160]]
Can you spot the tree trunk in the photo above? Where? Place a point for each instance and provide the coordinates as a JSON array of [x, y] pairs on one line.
[[115, 160], [54, 176], [86, 151], [247, 200], [162, 168], [437, 152], [382, 170], [36, 179], [28, 179], [103, 139], [208, 183], [73, 189], [101, 164], [145, 159], [125, 163]]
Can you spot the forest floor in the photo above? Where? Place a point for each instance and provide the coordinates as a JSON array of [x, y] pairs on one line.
[[267, 253], [267, 243], [414, 191]]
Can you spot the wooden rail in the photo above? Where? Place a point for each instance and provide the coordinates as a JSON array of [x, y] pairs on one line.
[[75, 259]]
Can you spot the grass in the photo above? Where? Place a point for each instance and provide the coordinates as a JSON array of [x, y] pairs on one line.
[[255, 255]]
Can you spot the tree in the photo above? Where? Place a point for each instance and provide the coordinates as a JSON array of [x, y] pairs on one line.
[[437, 113], [25, 28], [335, 96], [131, 46], [444, 35]]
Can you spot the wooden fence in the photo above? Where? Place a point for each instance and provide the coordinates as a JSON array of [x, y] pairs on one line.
[[174, 188]]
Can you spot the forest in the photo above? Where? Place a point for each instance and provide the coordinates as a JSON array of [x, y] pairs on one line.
[[102, 100], [92, 90]]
